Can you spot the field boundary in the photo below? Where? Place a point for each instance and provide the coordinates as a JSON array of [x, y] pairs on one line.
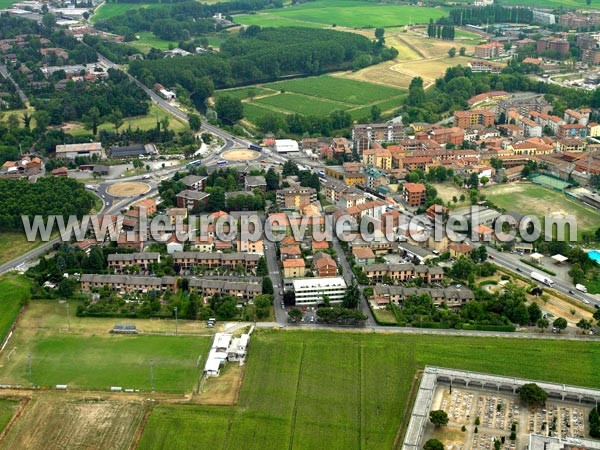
[[140, 429], [410, 403], [295, 413], [24, 402]]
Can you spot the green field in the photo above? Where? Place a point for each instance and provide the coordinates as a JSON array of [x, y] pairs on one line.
[[316, 96], [7, 411], [345, 13], [148, 40], [6, 3], [337, 89], [528, 198], [307, 390], [15, 292], [101, 361], [13, 244], [108, 10]]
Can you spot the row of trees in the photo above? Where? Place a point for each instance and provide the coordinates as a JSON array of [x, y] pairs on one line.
[[299, 124], [491, 14], [445, 32]]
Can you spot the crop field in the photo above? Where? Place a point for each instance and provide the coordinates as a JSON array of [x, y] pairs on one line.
[[108, 10], [101, 361], [56, 422], [345, 13], [306, 390], [15, 291], [316, 96], [537, 200], [341, 90], [8, 408]]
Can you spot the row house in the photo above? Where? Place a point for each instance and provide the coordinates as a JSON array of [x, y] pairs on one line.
[[119, 261], [451, 297], [188, 260], [379, 246], [547, 120], [403, 272], [241, 290], [127, 283]]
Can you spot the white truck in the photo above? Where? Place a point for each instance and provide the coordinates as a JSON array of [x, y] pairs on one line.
[[542, 278], [581, 288]]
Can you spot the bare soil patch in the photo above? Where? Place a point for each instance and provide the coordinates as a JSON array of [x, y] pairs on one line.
[[128, 189]]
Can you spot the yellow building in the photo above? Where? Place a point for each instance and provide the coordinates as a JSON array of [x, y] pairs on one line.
[[352, 179], [294, 268], [594, 129]]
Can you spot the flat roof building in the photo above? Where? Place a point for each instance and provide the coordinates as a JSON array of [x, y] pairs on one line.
[[311, 291]]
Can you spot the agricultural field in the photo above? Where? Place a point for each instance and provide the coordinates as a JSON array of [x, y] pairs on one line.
[[344, 13], [537, 200], [316, 96], [99, 361], [13, 244], [305, 390], [54, 422], [8, 408], [148, 40], [15, 292]]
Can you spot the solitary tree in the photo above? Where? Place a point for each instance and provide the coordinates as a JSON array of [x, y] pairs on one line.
[[542, 324], [462, 51], [438, 417], [194, 121], [585, 325], [560, 324], [295, 314], [452, 52], [267, 286], [433, 444], [533, 395]]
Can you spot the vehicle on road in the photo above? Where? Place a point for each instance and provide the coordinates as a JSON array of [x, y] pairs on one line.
[[146, 177], [542, 278], [255, 147], [222, 162], [581, 288], [491, 256]]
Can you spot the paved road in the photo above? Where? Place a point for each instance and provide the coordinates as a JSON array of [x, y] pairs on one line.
[[511, 262], [4, 72]]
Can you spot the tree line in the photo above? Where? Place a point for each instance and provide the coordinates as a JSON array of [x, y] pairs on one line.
[[440, 31], [490, 14]]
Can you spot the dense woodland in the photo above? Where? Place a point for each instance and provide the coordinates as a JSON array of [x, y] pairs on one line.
[[48, 196], [261, 54]]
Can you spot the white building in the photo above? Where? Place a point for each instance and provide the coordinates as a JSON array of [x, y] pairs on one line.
[[310, 291], [72, 151], [286, 146]]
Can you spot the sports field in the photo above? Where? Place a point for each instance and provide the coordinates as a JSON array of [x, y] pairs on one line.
[[345, 13], [307, 390], [316, 96], [101, 361], [540, 201]]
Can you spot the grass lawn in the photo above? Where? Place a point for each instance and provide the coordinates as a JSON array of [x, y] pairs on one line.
[[345, 13], [306, 390], [6, 3], [448, 190], [245, 92], [14, 293], [252, 111], [7, 411], [142, 122], [92, 361], [384, 315], [147, 40], [528, 198]]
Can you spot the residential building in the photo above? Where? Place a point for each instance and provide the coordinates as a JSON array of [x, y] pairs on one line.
[[255, 182], [294, 197], [403, 273], [204, 244], [194, 182], [571, 131], [452, 135], [363, 255], [311, 291], [489, 50], [176, 214], [363, 135], [119, 261], [324, 265], [553, 43], [414, 194], [294, 268], [127, 283], [484, 66], [241, 290], [451, 297], [191, 200], [85, 150], [231, 261], [464, 119]]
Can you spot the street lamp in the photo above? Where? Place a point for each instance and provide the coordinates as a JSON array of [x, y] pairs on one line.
[[175, 308], [68, 318], [152, 375]]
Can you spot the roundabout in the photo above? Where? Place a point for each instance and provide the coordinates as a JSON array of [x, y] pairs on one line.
[[237, 155], [128, 189]]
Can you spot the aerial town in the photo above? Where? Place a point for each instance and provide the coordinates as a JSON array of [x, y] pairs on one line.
[[312, 224]]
